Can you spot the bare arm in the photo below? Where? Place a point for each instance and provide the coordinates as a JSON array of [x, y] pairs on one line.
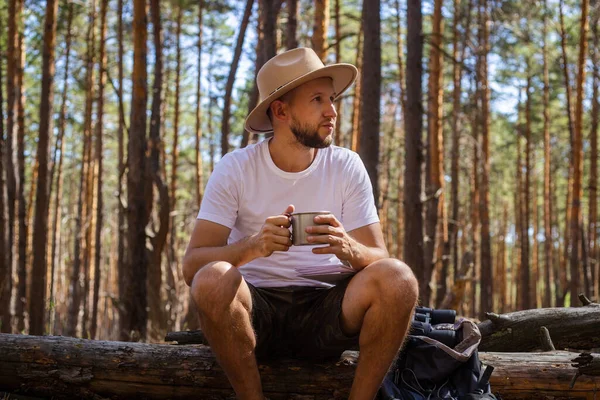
[[209, 243]]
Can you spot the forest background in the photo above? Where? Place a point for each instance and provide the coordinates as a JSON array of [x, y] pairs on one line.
[[477, 121]]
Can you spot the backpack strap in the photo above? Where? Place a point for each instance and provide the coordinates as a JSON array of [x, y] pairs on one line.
[[485, 377]]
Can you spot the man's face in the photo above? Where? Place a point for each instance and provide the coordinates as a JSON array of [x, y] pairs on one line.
[[313, 113]]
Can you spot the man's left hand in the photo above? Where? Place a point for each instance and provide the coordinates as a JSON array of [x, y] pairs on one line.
[[330, 231]]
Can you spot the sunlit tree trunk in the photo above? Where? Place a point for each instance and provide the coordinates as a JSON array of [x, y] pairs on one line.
[[133, 313], [321, 26], [486, 293], [547, 176], [524, 272], [356, 100], [11, 183], [23, 231], [80, 244], [6, 281], [435, 151], [561, 291], [231, 78], [593, 212], [121, 258], [198, 131], [99, 164], [413, 234], [576, 217], [371, 91], [292, 24], [338, 59], [400, 130]]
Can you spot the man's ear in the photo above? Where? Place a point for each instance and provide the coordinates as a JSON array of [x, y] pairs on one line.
[[279, 110]]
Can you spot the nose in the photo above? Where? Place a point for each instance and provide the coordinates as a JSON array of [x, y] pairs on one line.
[[330, 111]]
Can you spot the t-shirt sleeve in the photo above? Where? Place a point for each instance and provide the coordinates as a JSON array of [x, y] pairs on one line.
[[220, 201], [358, 206]]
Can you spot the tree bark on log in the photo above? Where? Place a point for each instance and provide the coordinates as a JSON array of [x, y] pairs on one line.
[[64, 367], [569, 328]]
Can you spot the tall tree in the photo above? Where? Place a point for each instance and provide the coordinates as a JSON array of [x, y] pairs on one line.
[[547, 167], [198, 130], [121, 151], [371, 91], [133, 315], [435, 149], [60, 149], [99, 172], [593, 186], [486, 246], [40, 228], [6, 281], [413, 125], [80, 243], [338, 59], [231, 78], [525, 273], [576, 217], [23, 226], [321, 26], [11, 183], [292, 24], [159, 237]]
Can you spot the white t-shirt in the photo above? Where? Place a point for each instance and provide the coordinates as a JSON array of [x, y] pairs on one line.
[[246, 187]]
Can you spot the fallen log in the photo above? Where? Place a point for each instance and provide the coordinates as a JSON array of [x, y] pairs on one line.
[[62, 367], [568, 328]]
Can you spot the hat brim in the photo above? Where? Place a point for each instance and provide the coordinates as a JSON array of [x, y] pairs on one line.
[[343, 75]]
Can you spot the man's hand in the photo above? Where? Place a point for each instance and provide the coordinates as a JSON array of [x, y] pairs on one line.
[[274, 234], [330, 231]]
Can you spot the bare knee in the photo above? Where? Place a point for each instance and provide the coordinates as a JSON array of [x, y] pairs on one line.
[[215, 287], [394, 280]]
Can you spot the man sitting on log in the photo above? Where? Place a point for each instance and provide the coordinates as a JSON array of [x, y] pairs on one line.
[[241, 264]]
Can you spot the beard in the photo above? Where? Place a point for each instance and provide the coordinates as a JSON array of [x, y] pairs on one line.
[[308, 135]]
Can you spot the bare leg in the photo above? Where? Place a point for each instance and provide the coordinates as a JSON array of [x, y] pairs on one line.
[[225, 304], [378, 303]]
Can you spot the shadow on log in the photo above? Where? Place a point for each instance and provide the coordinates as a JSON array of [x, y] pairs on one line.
[[62, 367], [569, 328]]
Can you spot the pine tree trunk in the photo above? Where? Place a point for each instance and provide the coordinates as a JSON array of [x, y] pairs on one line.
[[576, 217], [435, 150], [562, 290], [133, 313], [413, 234], [486, 246], [401, 134], [593, 186], [371, 92], [320, 28], [80, 244], [356, 100], [121, 257], [338, 59], [11, 183], [23, 231], [99, 157], [548, 245], [59, 146], [231, 78], [198, 131], [5, 268], [292, 23], [474, 195], [156, 313], [524, 272], [40, 228]]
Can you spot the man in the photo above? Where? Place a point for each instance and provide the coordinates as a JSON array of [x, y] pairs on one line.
[[240, 262]]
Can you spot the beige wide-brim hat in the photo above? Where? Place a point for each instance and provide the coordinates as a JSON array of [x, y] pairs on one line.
[[287, 71]]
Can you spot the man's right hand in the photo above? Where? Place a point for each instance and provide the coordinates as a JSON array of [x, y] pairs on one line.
[[274, 234]]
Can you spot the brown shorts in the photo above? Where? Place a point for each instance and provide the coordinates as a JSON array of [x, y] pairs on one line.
[[299, 322]]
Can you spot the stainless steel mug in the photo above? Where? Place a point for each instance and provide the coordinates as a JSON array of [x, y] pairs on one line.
[[300, 221]]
